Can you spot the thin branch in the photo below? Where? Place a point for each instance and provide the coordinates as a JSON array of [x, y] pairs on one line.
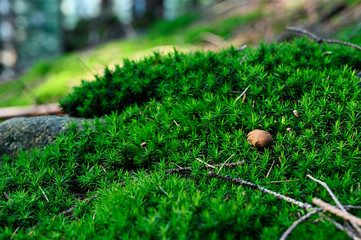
[[208, 165], [306, 206], [178, 170], [44, 194], [242, 94], [185, 169], [262, 189], [16, 230], [328, 207], [283, 181], [7, 196], [269, 171], [176, 123], [352, 207], [341, 228], [225, 162], [232, 164], [160, 188], [241, 47], [329, 191], [320, 39], [298, 221], [242, 60], [334, 199], [244, 98], [176, 164]]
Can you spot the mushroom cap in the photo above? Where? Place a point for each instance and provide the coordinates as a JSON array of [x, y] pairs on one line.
[[260, 139]]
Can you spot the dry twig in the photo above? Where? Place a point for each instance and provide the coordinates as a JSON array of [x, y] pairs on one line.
[[184, 169], [306, 206], [328, 207], [242, 47], [44, 194], [178, 170], [269, 171], [283, 181], [160, 188], [320, 39], [225, 163], [16, 230], [341, 228], [244, 57], [334, 199], [7, 196], [242, 94], [208, 165], [301, 219], [329, 191], [262, 189]]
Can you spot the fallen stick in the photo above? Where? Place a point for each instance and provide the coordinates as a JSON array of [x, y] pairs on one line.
[[262, 189], [341, 228], [298, 221], [185, 169], [242, 94], [305, 206], [320, 39], [34, 110], [328, 207], [208, 165], [335, 199]]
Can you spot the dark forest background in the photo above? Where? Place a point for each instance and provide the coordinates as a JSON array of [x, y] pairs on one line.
[[35, 29]]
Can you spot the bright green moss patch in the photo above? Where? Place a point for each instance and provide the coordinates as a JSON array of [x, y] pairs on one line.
[[287, 71], [183, 106]]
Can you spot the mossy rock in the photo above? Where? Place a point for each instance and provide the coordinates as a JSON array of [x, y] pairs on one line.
[[25, 133]]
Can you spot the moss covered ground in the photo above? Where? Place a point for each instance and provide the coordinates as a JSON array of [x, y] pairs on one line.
[[104, 182]]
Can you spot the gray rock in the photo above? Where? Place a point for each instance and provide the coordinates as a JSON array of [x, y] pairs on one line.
[[23, 133]]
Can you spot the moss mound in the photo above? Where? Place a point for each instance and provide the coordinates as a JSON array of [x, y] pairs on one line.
[[184, 107], [290, 69]]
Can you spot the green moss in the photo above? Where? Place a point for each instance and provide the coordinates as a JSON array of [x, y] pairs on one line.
[[183, 106], [292, 69]]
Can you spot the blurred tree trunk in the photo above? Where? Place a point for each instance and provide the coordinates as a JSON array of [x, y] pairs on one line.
[[194, 4], [106, 7], [106, 26], [96, 24], [154, 9]]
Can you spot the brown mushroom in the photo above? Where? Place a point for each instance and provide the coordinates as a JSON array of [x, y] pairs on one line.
[[260, 139]]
